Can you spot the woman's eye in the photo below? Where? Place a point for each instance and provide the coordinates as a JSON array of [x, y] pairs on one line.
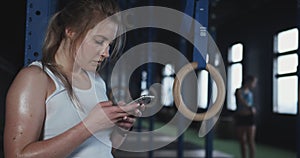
[[100, 42]]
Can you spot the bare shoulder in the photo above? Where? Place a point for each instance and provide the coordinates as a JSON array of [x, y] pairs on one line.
[[32, 73], [31, 77], [32, 70], [25, 107]]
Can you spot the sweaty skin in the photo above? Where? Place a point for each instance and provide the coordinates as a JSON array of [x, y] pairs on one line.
[[25, 109], [26, 112]]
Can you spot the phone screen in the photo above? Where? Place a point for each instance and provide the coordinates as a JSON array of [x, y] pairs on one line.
[[146, 99]]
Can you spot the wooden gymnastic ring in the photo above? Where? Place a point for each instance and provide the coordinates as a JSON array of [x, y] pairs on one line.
[[214, 109]]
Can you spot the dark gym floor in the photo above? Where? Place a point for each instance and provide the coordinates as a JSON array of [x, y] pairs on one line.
[[190, 150]]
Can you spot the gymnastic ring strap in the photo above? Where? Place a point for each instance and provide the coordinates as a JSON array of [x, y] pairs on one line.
[[217, 105]]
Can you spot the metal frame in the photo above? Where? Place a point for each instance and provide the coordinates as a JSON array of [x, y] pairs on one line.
[[201, 12], [298, 74], [38, 13]]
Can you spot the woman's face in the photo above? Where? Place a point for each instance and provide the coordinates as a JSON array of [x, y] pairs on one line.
[[95, 47], [253, 84]]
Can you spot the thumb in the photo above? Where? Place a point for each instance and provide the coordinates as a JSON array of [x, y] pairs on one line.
[[121, 103], [106, 103]]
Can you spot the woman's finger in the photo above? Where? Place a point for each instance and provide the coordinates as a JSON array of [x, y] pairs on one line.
[[128, 107], [125, 125], [137, 113], [142, 107], [106, 103], [129, 119]]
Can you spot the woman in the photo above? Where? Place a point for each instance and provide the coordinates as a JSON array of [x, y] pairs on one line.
[[245, 120], [57, 107]]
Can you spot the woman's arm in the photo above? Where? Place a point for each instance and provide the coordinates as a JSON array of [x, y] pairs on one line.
[[25, 115], [124, 126], [117, 138], [241, 99], [243, 102], [120, 131]]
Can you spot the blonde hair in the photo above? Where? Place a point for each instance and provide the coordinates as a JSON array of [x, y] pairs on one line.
[[80, 16]]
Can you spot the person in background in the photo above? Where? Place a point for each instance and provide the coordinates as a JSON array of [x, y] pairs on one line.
[[245, 116], [57, 107]]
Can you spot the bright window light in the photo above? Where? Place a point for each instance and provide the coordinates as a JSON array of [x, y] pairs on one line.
[[167, 88], [202, 89], [235, 73], [168, 70], [167, 85], [287, 64], [236, 53], [287, 95], [144, 83], [287, 40], [285, 82]]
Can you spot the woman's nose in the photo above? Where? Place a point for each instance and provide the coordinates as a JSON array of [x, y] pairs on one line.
[[105, 52]]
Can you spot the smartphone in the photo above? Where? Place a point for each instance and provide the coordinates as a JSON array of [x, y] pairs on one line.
[[144, 99]]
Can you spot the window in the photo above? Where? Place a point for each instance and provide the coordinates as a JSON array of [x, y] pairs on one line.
[[235, 73], [202, 89], [285, 81], [287, 41], [144, 83], [167, 85]]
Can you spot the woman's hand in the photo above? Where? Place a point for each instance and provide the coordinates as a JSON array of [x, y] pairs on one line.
[[105, 115], [127, 122], [124, 125]]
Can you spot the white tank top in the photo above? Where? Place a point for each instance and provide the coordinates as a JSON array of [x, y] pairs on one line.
[[61, 115]]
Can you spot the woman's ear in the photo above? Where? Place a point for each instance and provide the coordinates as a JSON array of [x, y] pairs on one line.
[[69, 33]]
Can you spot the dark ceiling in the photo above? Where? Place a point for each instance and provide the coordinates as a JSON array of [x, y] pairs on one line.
[[221, 12], [224, 11]]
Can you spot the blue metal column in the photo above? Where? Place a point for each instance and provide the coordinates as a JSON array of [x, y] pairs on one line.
[[198, 9], [210, 135], [127, 5], [201, 34], [150, 73], [201, 15], [37, 17], [298, 74], [185, 27]]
